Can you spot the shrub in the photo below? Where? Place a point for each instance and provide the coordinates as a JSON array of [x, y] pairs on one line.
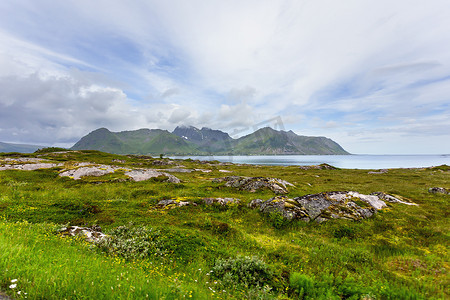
[[133, 242], [243, 271]]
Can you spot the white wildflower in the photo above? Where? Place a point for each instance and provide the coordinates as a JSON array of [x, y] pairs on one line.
[[13, 286]]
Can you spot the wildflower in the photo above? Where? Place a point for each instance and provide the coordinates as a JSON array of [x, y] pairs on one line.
[[13, 286], [13, 280]]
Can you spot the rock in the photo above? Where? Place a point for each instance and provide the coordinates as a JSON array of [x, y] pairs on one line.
[[324, 206], [391, 199], [28, 167], [382, 171], [146, 174], [162, 162], [173, 203], [438, 190], [318, 167], [96, 171], [119, 161], [178, 170], [221, 201], [92, 234], [288, 208], [253, 184], [203, 170], [255, 203], [225, 171]]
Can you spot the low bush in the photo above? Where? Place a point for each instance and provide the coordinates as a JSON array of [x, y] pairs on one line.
[[242, 271]]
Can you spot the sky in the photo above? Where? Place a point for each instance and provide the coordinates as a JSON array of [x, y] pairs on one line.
[[373, 76]]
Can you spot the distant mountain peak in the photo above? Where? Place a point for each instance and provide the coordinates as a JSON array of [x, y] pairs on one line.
[[190, 140]]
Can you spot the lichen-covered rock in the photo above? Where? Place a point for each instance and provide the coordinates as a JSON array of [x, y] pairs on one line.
[[391, 199], [288, 208], [324, 206], [95, 170], [255, 203], [146, 174], [438, 190], [173, 203], [253, 184], [220, 201], [91, 234]]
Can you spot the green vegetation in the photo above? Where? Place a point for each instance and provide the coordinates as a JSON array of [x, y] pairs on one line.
[[216, 252]]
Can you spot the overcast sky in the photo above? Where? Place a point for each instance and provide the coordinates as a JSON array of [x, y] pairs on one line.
[[372, 75]]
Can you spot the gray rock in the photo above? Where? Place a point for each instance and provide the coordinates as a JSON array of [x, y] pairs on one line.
[[221, 201], [178, 170], [146, 174], [173, 203], [288, 208], [95, 170], [253, 184], [438, 190], [92, 234], [255, 203], [391, 199], [324, 206], [382, 171]]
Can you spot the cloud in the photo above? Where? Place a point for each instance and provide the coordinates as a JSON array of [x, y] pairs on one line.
[[67, 67]]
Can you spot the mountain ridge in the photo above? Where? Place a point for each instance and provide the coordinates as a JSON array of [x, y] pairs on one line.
[[189, 140]]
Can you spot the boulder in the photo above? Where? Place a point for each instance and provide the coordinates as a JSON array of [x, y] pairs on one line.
[[146, 174], [382, 171], [220, 201], [438, 190], [253, 184], [91, 234], [318, 167], [96, 171], [324, 206], [173, 203]]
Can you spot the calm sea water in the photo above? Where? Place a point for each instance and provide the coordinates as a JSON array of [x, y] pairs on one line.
[[340, 161]]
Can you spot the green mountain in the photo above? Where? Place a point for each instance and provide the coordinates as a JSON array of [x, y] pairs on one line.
[[192, 141], [268, 141], [142, 141], [22, 148]]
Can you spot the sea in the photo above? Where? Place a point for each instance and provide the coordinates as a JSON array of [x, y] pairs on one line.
[[339, 161]]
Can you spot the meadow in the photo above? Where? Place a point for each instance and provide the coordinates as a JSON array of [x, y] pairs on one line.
[[214, 251]]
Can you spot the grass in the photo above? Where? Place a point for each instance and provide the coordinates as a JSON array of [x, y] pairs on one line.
[[401, 253]]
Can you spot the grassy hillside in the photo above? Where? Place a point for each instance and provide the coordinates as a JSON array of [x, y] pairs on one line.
[[188, 252]]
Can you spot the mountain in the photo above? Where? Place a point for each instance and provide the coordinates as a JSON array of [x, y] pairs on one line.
[[188, 140], [142, 141], [22, 148], [209, 140]]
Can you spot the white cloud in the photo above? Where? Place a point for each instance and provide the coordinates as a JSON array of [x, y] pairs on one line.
[[327, 68]]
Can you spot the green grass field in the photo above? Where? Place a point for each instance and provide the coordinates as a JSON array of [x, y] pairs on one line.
[[212, 252]]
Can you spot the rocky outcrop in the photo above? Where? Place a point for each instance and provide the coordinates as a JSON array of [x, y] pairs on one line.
[[252, 184], [91, 234], [439, 190], [324, 206]]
